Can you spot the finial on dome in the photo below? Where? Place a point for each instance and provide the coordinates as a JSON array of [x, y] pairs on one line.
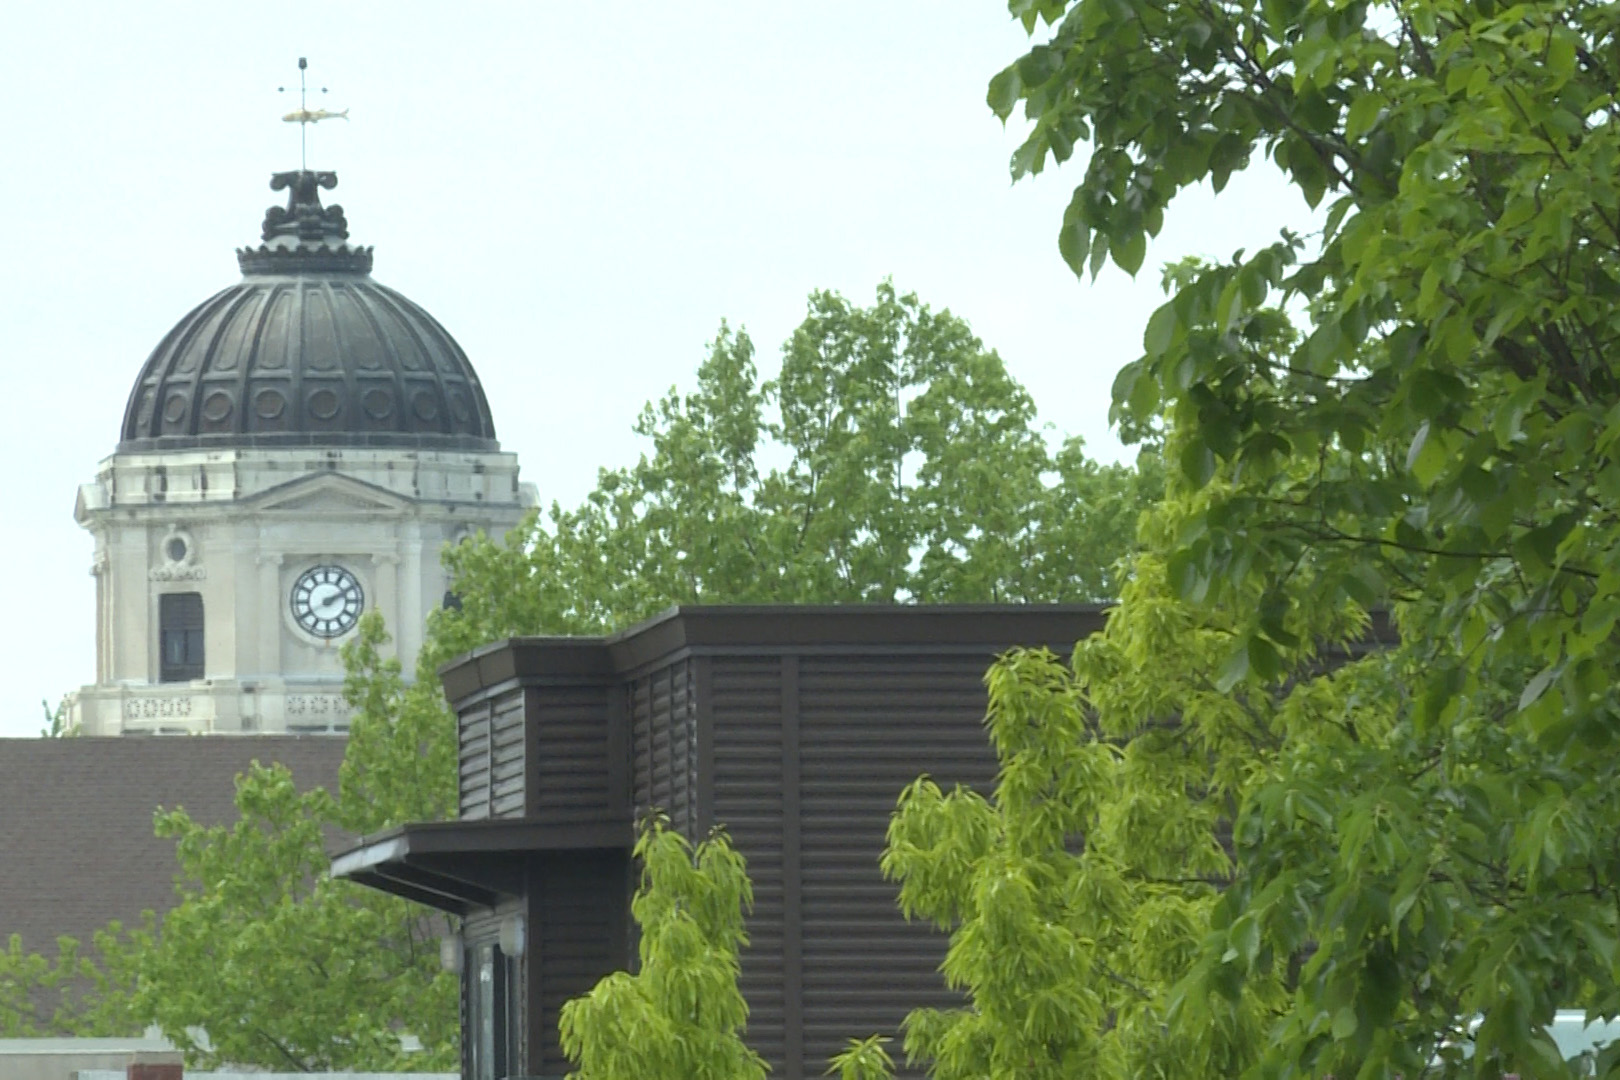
[[305, 217], [304, 235]]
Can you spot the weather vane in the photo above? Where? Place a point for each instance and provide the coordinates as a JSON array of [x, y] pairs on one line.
[[304, 116]]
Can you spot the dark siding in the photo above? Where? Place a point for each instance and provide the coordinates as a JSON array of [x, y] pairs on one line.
[[748, 802], [661, 793], [796, 730], [638, 696], [570, 772], [683, 796], [506, 757], [473, 733], [663, 715], [578, 914], [868, 726]]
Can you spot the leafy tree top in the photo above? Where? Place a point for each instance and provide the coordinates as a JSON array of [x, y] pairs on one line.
[[892, 459]]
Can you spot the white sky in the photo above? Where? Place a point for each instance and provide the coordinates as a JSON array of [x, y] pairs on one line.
[[578, 192]]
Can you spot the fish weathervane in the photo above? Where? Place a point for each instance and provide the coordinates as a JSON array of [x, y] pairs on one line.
[[304, 116]]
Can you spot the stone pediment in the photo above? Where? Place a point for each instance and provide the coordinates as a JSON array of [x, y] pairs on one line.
[[328, 493]]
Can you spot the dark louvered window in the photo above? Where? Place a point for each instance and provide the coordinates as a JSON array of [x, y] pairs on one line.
[[180, 637]]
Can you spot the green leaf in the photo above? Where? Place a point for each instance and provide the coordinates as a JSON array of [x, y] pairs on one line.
[[1427, 456], [1264, 660], [1235, 670], [1197, 463], [1245, 939], [1005, 90], [1419, 441], [1364, 111], [1161, 332], [1561, 54], [1538, 685], [1074, 242], [1128, 255]]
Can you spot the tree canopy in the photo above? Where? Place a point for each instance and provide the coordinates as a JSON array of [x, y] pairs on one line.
[[268, 961], [1227, 840], [76, 992], [893, 458]]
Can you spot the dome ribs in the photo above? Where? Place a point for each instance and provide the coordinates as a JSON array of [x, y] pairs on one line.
[[307, 350]]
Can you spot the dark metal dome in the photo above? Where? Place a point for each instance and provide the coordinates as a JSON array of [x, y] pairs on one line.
[[307, 351]]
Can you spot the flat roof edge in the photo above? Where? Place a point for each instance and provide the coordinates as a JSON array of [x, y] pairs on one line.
[[858, 627]]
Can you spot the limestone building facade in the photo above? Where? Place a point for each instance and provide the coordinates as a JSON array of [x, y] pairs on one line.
[[297, 451]]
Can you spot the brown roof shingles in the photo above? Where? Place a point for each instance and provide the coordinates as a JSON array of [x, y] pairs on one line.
[[76, 843]]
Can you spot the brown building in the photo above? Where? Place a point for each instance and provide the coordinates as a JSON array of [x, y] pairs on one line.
[[793, 727]]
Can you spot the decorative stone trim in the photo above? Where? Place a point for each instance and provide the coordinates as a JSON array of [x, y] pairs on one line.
[[153, 708], [177, 572], [178, 551], [317, 705]]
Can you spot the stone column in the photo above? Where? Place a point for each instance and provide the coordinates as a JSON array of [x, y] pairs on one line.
[[412, 615], [270, 628]]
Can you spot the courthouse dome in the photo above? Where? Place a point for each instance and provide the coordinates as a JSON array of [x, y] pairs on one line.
[[307, 350]]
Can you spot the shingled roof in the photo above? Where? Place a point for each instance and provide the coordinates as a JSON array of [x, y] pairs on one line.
[[76, 842]]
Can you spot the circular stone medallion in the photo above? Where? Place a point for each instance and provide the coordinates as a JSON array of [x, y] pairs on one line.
[[324, 404], [269, 404], [217, 407], [377, 402]]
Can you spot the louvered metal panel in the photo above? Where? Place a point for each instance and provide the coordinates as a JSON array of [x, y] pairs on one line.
[[662, 787], [638, 693], [683, 808], [569, 730], [868, 726], [748, 802], [473, 780], [506, 758], [663, 720]]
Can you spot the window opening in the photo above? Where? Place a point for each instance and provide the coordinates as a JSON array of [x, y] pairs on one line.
[[487, 1012], [180, 637]]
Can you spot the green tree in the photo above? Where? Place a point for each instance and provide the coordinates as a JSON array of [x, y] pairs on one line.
[[912, 471], [680, 1014], [56, 721], [1415, 408], [76, 992], [277, 963], [1081, 892], [267, 960]]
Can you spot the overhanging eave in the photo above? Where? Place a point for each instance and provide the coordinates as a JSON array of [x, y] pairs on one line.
[[462, 866]]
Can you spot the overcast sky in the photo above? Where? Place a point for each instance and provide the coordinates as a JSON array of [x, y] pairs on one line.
[[579, 193]]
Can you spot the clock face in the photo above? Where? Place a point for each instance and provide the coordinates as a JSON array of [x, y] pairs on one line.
[[327, 601]]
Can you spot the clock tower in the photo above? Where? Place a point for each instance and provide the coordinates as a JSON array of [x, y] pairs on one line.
[[296, 452]]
